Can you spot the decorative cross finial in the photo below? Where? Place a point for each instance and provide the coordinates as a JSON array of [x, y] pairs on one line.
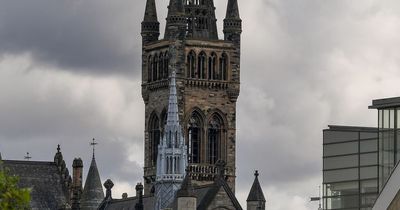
[[27, 157], [93, 144], [58, 149], [256, 174]]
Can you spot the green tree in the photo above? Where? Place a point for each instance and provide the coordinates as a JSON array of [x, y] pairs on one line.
[[11, 196]]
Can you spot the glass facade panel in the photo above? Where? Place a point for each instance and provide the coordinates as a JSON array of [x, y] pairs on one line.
[[341, 162], [341, 175], [350, 168], [344, 202], [369, 159], [368, 135], [369, 146], [388, 146], [368, 200], [342, 188], [369, 186], [341, 149], [339, 136], [369, 172]]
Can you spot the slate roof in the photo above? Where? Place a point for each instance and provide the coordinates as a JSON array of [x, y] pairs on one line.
[[45, 180], [256, 193], [129, 203], [205, 194], [93, 193]]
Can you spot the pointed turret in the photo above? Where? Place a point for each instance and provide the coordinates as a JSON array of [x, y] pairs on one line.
[[232, 22], [176, 21], [93, 194], [150, 24], [256, 199]]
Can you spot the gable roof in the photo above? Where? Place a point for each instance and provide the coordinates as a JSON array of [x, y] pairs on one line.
[[45, 181]]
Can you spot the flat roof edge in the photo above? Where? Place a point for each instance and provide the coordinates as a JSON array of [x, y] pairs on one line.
[[385, 103], [350, 128]]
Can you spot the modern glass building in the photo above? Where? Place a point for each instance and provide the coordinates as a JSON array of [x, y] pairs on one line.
[[389, 137], [350, 167]]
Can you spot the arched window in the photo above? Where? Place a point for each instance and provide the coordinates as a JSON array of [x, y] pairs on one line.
[[191, 65], [160, 66], [215, 128], [150, 69], [212, 67], [223, 66], [155, 68], [195, 128], [202, 66], [166, 65], [154, 138]]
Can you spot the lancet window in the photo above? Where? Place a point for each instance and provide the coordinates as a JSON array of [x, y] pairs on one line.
[[195, 134], [191, 65], [202, 65], [215, 137], [212, 67], [154, 138]]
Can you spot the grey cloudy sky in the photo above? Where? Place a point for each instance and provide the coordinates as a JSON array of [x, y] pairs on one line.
[[70, 71]]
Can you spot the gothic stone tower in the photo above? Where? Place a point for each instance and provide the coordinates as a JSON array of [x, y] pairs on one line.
[[208, 83]]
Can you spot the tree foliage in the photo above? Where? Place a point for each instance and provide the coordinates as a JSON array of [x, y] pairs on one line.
[[11, 196]]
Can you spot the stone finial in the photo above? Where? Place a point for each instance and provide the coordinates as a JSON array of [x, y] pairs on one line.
[[77, 163], [256, 174], [139, 188], [124, 195], [108, 185], [58, 158]]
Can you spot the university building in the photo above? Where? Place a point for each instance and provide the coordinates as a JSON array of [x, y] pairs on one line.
[[360, 164], [190, 86]]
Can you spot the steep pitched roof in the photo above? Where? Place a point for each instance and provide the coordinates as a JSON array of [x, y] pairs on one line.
[[232, 11], [186, 188], [150, 14], [256, 193], [45, 181], [93, 193]]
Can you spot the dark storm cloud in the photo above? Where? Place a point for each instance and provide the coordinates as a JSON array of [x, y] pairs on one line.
[[305, 64], [96, 36]]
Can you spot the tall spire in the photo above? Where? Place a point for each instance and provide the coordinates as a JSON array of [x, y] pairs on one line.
[[172, 154], [173, 115], [150, 24]]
